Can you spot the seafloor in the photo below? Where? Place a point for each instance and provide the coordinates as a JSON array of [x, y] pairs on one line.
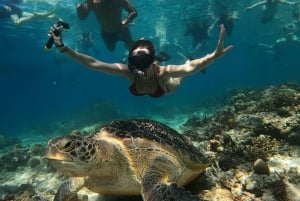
[[254, 140]]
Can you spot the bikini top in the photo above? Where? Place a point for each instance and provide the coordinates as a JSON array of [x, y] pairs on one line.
[[158, 92]]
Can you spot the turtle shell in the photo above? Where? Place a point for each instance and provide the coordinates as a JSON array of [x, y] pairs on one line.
[[154, 131]]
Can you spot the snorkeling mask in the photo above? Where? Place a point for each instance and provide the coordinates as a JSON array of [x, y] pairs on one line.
[[139, 62]]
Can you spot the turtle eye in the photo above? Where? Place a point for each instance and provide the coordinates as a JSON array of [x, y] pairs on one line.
[[66, 145]]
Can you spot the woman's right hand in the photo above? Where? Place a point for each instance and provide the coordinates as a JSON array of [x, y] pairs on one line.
[[56, 33]]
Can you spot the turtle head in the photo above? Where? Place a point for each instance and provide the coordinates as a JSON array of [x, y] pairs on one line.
[[72, 155]]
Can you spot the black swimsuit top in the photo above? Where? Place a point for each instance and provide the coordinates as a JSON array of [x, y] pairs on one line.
[[158, 92]]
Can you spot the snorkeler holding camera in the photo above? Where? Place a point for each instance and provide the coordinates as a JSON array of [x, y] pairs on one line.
[[143, 71], [59, 26]]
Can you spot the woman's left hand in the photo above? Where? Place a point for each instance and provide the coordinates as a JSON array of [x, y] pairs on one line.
[[220, 50]]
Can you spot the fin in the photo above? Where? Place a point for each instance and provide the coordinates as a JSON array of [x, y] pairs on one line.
[[172, 192], [162, 56], [189, 58]]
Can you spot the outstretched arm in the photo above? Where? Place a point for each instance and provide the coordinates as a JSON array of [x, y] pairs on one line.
[[255, 5], [132, 13], [287, 2], [26, 16], [88, 61], [196, 65]]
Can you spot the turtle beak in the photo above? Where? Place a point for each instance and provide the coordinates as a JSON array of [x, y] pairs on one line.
[[53, 153]]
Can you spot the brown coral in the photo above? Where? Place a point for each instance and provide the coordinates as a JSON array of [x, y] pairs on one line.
[[261, 147], [279, 190]]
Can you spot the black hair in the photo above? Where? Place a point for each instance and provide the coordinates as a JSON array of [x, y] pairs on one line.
[[143, 43]]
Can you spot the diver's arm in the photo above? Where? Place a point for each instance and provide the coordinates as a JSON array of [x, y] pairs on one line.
[[132, 13], [15, 19], [92, 63], [197, 65], [255, 5], [88, 61], [190, 67], [287, 2]]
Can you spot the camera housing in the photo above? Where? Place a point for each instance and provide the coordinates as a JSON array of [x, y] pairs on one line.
[[61, 25]]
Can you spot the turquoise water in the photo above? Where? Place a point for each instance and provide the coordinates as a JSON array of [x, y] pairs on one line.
[[39, 87]]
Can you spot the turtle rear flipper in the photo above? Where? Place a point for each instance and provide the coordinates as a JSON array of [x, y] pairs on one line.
[[68, 190], [154, 186], [171, 192]]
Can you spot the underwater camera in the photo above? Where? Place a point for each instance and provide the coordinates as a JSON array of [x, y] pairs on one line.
[[60, 26]]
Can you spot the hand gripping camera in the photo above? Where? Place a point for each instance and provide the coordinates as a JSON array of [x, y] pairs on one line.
[[60, 26]]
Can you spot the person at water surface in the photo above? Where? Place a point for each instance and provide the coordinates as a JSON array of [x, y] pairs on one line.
[[108, 14]]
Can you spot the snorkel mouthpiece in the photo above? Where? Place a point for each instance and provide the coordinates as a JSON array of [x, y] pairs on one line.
[[139, 62], [139, 72]]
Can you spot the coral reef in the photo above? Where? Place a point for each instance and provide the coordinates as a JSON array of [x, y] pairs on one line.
[[10, 161], [261, 167], [253, 140], [260, 147], [255, 126], [6, 141]]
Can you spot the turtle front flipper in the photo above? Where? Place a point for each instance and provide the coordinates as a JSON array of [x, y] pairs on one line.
[[68, 190]]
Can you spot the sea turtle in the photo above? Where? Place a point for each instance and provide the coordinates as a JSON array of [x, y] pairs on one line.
[[128, 157]]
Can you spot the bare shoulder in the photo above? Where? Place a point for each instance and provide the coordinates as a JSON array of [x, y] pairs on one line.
[[121, 67], [160, 70], [168, 70], [125, 71], [172, 68], [114, 69]]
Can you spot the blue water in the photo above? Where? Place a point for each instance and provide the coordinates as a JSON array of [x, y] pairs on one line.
[[39, 87]]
